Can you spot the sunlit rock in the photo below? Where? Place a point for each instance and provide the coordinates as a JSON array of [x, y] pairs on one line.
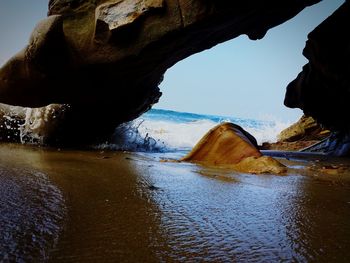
[[226, 143], [258, 165], [229, 146], [306, 128], [118, 14]]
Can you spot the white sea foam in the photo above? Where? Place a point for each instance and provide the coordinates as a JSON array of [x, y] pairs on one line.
[[161, 135], [183, 135], [268, 133], [157, 130], [176, 135]]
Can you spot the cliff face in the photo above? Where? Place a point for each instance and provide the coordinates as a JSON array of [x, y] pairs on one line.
[[106, 58], [322, 89]]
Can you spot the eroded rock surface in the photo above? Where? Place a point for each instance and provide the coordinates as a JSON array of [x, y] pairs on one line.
[[226, 143], [299, 136], [229, 146], [322, 89], [306, 128], [258, 165], [106, 58]]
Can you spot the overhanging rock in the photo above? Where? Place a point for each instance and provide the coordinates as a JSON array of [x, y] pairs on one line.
[[106, 58]]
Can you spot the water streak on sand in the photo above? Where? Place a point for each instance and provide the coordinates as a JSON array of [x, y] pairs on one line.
[[32, 211]]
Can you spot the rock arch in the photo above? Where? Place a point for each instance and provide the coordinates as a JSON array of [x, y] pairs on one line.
[[106, 58]]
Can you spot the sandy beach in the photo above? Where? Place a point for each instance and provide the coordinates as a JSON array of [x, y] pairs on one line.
[[129, 207]]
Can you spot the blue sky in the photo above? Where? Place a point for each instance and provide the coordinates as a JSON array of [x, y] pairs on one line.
[[240, 78], [245, 78]]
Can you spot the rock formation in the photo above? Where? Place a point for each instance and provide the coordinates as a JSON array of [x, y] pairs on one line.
[[322, 89], [228, 145], [299, 136], [306, 129], [106, 58], [258, 165]]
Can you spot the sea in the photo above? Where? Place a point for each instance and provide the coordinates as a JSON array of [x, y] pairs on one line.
[[160, 130]]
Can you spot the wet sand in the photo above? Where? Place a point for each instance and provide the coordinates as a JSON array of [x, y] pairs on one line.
[[90, 206]]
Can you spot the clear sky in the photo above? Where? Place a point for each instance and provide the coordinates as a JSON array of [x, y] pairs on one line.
[[240, 78], [244, 78]]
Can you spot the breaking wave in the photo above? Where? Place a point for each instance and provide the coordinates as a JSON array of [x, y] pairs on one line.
[[155, 131], [163, 130]]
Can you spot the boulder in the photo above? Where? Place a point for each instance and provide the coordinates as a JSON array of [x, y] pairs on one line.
[[305, 129], [106, 58], [258, 165], [288, 146], [229, 146], [226, 143], [301, 135]]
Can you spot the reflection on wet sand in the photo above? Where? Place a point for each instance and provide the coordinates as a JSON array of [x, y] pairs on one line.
[[32, 212], [123, 207], [317, 221], [109, 216]]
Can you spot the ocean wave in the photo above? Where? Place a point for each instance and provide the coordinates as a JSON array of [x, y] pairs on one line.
[[155, 133]]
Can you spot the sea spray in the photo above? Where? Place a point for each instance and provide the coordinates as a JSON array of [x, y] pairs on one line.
[[167, 131], [31, 125], [41, 123], [127, 137], [155, 131], [267, 132], [11, 119], [176, 136]]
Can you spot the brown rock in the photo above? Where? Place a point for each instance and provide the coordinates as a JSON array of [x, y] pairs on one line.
[[303, 134], [229, 146], [226, 143], [288, 146], [258, 165], [306, 129], [122, 13]]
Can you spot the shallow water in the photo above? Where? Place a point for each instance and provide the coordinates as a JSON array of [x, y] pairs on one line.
[[85, 206]]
